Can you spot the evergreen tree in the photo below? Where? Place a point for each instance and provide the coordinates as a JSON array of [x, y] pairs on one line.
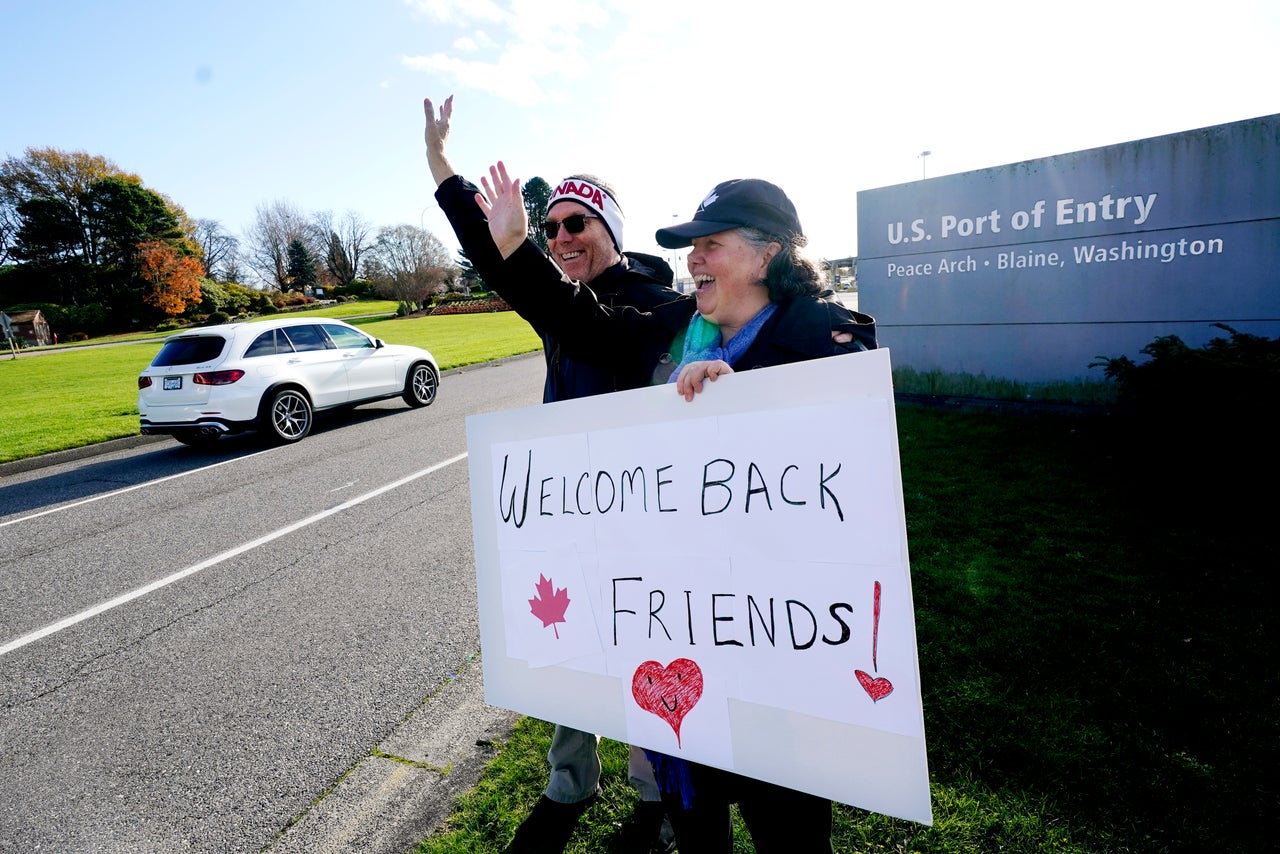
[[537, 193], [468, 276], [301, 269]]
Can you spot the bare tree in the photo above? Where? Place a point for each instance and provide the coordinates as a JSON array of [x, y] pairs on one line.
[[219, 248], [409, 264], [233, 270], [342, 244], [267, 241], [9, 223]]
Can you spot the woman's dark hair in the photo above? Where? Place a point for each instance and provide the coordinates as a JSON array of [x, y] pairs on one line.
[[790, 273]]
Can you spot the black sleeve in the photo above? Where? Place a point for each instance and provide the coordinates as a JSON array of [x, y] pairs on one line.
[[646, 294], [457, 198], [861, 326], [612, 338]]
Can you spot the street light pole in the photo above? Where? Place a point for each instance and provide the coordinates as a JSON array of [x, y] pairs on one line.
[[923, 155]]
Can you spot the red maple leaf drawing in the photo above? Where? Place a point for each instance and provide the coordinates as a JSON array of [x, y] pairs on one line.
[[549, 605]]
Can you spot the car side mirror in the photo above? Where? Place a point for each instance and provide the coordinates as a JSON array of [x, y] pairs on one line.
[[377, 344]]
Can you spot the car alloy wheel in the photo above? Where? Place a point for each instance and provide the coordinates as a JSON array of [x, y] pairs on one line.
[[421, 385], [290, 415]]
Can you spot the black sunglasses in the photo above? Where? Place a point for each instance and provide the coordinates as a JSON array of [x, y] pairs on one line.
[[574, 224]]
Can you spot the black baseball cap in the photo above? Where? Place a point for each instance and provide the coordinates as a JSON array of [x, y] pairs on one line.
[[741, 202]]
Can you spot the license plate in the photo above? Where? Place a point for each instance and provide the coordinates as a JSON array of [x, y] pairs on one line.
[[172, 383]]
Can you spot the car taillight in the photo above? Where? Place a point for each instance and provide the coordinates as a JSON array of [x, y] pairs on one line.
[[144, 382], [217, 377]]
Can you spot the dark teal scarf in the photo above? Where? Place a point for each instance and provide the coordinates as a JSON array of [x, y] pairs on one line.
[[702, 340]]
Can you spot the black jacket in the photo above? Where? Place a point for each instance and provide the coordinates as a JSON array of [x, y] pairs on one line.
[[641, 281]]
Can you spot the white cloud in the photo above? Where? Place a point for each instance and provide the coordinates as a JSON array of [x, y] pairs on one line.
[[460, 12], [557, 22], [504, 79], [535, 50]]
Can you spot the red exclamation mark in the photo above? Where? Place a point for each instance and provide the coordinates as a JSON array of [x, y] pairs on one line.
[[875, 630]]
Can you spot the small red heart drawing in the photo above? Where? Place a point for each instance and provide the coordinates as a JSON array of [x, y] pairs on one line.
[[877, 688], [669, 692]]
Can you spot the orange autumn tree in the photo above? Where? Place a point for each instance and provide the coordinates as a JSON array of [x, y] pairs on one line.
[[173, 279]]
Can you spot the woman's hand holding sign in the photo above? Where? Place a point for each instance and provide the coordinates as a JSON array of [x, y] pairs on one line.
[[692, 375]]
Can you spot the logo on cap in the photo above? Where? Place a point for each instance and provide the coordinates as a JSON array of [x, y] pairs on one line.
[[711, 199]]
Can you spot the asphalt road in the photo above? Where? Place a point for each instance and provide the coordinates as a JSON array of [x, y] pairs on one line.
[[247, 648]]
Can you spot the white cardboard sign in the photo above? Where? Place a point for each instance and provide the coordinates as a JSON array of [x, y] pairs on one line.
[[725, 580]]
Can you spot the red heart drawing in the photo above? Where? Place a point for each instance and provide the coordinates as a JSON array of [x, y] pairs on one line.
[[669, 692], [877, 688]]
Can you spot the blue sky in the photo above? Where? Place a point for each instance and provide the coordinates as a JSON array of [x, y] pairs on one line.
[[229, 105]]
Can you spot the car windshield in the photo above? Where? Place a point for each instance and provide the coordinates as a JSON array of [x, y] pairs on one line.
[[189, 351]]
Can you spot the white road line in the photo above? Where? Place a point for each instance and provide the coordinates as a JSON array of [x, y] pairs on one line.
[[114, 493], [67, 622]]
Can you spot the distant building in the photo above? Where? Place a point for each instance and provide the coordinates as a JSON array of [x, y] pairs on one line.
[[30, 327], [842, 273]]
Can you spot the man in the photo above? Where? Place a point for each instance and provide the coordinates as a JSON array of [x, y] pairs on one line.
[[584, 225], [584, 228]]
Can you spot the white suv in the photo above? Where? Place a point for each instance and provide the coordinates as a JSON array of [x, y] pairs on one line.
[[273, 376]]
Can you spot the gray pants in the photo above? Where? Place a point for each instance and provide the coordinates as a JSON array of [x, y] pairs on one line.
[[575, 768]]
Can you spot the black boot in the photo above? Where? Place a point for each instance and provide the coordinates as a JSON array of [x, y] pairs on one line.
[[648, 831], [547, 828]]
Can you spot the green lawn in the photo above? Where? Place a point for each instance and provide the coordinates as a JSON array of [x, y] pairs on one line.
[[83, 395], [1097, 634]]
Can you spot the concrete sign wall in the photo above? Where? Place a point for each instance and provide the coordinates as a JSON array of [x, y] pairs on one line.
[[1029, 271]]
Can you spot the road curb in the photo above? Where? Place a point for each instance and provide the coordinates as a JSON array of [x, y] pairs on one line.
[[398, 795], [58, 457]]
